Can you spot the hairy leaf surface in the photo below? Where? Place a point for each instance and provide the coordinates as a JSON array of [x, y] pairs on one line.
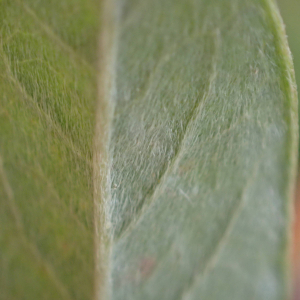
[[194, 154], [289, 10], [201, 150], [48, 92]]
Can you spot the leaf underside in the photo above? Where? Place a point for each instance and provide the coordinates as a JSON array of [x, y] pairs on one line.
[[200, 138], [201, 152]]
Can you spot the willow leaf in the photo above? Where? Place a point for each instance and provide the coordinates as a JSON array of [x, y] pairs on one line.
[[199, 149]]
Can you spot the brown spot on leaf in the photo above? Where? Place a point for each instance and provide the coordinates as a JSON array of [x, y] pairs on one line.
[[146, 267]]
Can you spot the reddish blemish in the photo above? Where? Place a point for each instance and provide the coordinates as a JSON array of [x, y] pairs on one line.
[[146, 267], [143, 271]]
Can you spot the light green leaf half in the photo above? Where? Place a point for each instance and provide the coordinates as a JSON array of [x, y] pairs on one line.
[[48, 90], [202, 147]]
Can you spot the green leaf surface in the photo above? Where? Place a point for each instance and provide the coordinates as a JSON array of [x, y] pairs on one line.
[[290, 13], [190, 171], [202, 147], [48, 91]]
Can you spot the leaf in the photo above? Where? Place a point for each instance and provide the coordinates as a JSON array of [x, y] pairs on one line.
[[200, 150], [192, 162], [289, 13], [48, 91]]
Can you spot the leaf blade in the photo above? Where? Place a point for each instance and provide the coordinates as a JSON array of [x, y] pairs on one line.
[[48, 91], [175, 211]]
